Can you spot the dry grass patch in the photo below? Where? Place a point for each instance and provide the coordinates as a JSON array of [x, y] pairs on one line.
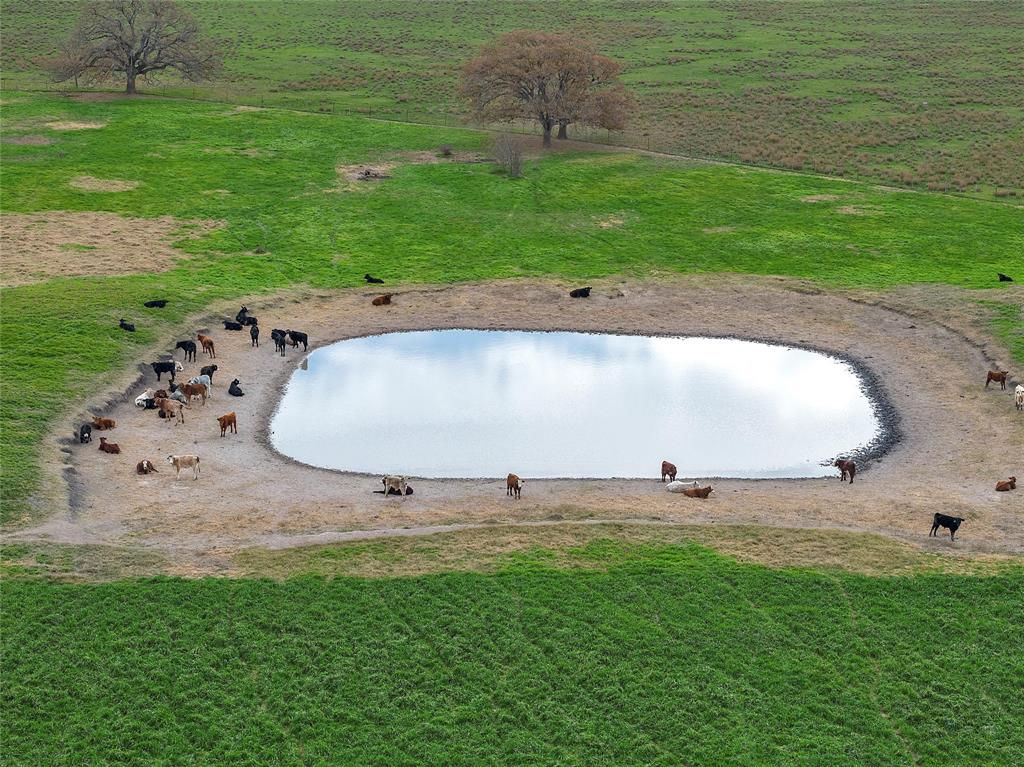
[[29, 140], [249, 152], [858, 210], [611, 222], [68, 125], [40, 246], [93, 184], [241, 109], [719, 229], [820, 198]]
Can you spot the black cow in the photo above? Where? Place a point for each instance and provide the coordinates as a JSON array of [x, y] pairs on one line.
[[235, 390], [394, 491], [299, 338], [240, 317], [149, 403], [373, 280], [126, 326], [1004, 277], [249, 320], [208, 370], [156, 304], [254, 334], [229, 325], [85, 433], [943, 520], [580, 292], [189, 347], [163, 367], [279, 340]]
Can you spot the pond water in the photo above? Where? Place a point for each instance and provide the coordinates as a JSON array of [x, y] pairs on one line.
[[471, 403]]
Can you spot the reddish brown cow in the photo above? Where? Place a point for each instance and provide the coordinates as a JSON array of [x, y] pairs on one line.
[[514, 486], [668, 470], [1002, 487], [102, 424], [109, 447], [697, 492], [228, 422], [171, 409], [145, 466], [846, 468], [194, 390], [998, 376], [382, 300], [207, 344]]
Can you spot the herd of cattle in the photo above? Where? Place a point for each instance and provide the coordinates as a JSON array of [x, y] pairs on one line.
[[171, 402]]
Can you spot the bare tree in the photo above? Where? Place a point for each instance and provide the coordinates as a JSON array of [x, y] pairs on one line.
[[508, 153], [554, 79], [132, 39]]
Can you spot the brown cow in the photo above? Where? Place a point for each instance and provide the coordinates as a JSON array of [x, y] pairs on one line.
[[160, 394], [668, 470], [514, 486], [1002, 487], [109, 447], [846, 468], [228, 422], [207, 344], [102, 424], [194, 390], [998, 376], [145, 466], [382, 300], [697, 492], [171, 409]]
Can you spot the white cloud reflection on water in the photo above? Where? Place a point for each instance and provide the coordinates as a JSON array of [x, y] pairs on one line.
[[466, 403]]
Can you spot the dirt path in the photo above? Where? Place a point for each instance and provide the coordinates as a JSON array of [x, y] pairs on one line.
[[957, 438]]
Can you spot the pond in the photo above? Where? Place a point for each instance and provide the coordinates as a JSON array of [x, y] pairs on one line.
[[472, 403]]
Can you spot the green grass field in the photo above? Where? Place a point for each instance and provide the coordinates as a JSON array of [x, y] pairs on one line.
[[649, 655], [270, 175], [899, 92]]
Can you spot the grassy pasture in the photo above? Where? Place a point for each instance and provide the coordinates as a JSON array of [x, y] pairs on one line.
[[644, 655], [271, 177], [924, 95]]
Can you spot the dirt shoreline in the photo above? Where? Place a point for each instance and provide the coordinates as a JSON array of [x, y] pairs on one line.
[[957, 439]]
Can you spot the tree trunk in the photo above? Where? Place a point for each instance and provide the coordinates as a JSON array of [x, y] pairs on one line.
[[130, 87], [562, 130], [547, 133]]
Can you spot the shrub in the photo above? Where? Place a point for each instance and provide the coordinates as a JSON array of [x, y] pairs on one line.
[[508, 153]]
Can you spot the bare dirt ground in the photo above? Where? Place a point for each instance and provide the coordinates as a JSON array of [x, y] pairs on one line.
[[957, 438], [39, 246]]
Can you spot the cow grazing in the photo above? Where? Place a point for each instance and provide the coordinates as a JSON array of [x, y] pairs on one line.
[[1018, 397], [228, 421], [180, 462], [394, 482], [145, 466], [697, 492], [109, 447], [208, 370], [298, 338], [580, 293], [207, 343], [235, 390], [229, 325], [668, 470], [189, 347], [846, 468], [102, 424], [943, 520], [997, 376], [193, 390], [171, 410], [279, 337], [372, 280], [1004, 277], [1006, 485], [514, 486], [254, 334], [157, 304], [130, 327], [85, 433], [384, 300]]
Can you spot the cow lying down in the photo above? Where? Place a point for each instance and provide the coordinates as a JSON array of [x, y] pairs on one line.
[[689, 489], [393, 491]]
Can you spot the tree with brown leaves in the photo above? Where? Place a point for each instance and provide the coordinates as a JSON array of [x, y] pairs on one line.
[[132, 39], [554, 79]]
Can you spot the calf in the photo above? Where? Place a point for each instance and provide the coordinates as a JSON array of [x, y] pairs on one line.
[[102, 424], [580, 293], [208, 370], [382, 300], [998, 376], [514, 486], [171, 410], [668, 470], [109, 447], [254, 334], [942, 520], [1018, 398], [1004, 277], [205, 380], [394, 482], [846, 468], [229, 325], [1007, 484], [235, 390], [130, 327], [207, 343], [298, 338], [180, 462], [242, 314], [158, 304], [85, 433], [161, 393], [228, 422], [189, 347], [193, 390], [279, 340], [171, 366], [146, 396], [250, 320], [697, 492], [145, 466], [373, 280]]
